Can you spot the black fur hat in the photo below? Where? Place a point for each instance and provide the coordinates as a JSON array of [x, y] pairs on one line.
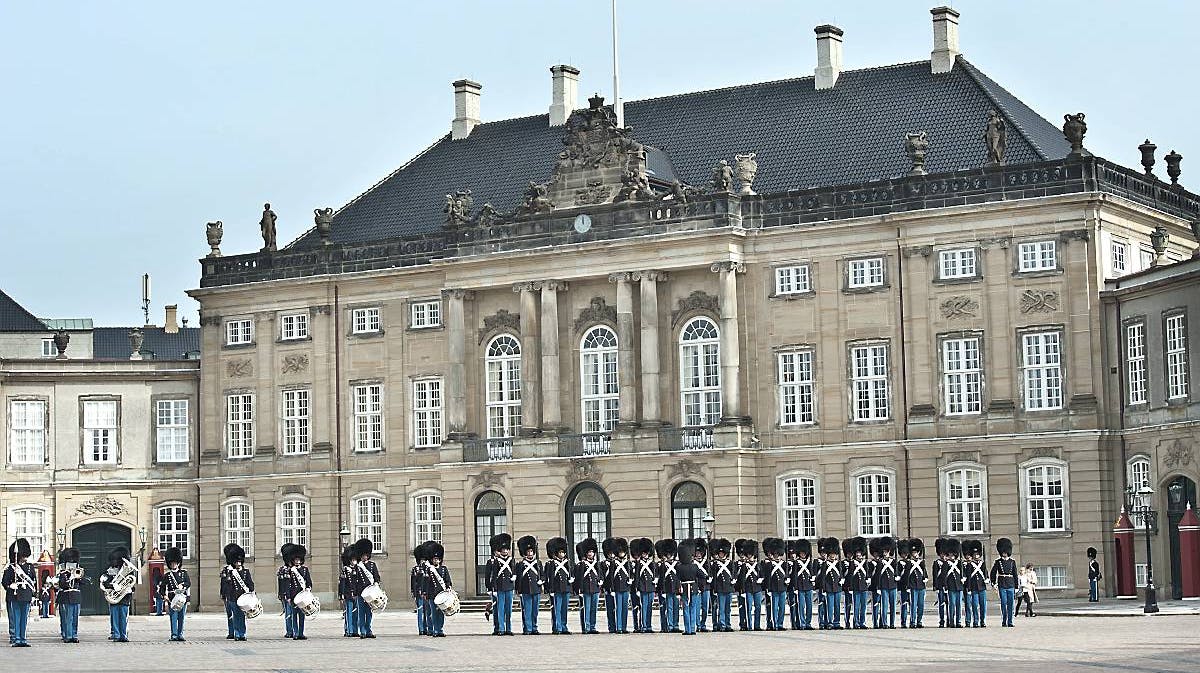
[[285, 551], [940, 547], [773, 546], [606, 546], [363, 547], [701, 545], [752, 548], [555, 546], [173, 555], [665, 548], [739, 546], [953, 546], [827, 545], [233, 553], [291, 552], [858, 545], [527, 542], [916, 545], [1091, 552], [19, 550], [587, 544], [418, 553], [801, 546], [887, 545], [903, 547], [500, 541], [68, 555], [720, 546], [972, 547], [117, 555], [436, 550], [847, 547], [875, 544], [620, 546], [1004, 546], [640, 545], [687, 551]]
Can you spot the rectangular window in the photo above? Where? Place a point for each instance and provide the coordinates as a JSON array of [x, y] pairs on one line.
[[1045, 499], [874, 505], [426, 313], [427, 518], [1138, 477], [957, 263], [865, 272], [869, 382], [1145, 257], [239, 425], [239, 526], [171, 431], [173, 529], [100, 432], [427, 413], [293, 326], [1041, 368], [1051, 577], [1135, 361], [364, 320], [792, 279], [29, 523], [295, 422], [796, 399], [48, 348], [293, 522], [1037, 256], [1140, 573], [964, 501], [368, 417], [27, 432], [799, 507], [1175, 336], [963, 376], [368, 521], [1119, 257], [239, 332]]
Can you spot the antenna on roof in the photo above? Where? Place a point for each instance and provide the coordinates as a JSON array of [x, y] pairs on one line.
[[146, 298], [618, 107]]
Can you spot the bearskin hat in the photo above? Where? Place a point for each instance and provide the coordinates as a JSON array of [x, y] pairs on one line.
[[348, 556], [953, 546], [827, 545], [419, 553], [641, 545], [18, 550], [556, 546], [607, 547], [665, 548], [875, 544], [801, 546], [1091, 552], [291, 552], [173, 555], [527, 542], [687, 551], [285, 551], [902, 548], [888, 545], [916, 545], [500, 541], [587, 544], [720, 546], [68, 555], [620, 546], [739, 546], [972, 547], [233, 553], [858, 545], [363, 547], [701, 545], [792, 547], [847, 546], [436, 550], [940, 547], [773, 546], [119, 554], [1004, 546]]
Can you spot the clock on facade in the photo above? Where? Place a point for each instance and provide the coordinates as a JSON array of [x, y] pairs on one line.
[[583, 223]]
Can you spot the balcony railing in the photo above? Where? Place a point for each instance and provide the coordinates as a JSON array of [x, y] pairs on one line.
[[487, 450], [686, 439], [587, 444]]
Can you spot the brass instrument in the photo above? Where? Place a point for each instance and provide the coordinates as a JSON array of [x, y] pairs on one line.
[[122, 583]]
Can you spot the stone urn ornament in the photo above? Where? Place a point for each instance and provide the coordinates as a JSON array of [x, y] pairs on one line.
[[747, 170], [323, 217], [1147, 149], [61, 339], [215, 232], [136, 337], [916, 146], [1074, 128], [1173, 160]]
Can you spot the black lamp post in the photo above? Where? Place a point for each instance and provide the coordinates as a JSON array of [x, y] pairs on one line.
[[709, 522], [344, 536], [1145, 510]]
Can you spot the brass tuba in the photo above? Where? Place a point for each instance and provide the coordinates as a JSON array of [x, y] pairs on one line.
[[122, 583]]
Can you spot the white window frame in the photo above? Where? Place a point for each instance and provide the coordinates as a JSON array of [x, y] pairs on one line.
[[796, 372], [374, 526], [1049, 574], [172, 440], [1138, 470], [1175, 344], [958, 263], [19, 525], [599, 380], [1140, 574], [1135, 362], [239, 332], [1042, 381], [426, 313], [793, 279], [950, 479], [807, 501], [101, 434], [962, 375], [427, 513], [295, 531], [502, 385], [293, 326], [295, 418], [1145, 258], [865, 273], [170, 536], [366, 403], [866, 382], [1118, 256], [1034, 256], [873, 510], [242, 535], [1047, 499], [239, 425], [428, 400], [700, 400], [365, 320], [49, 350], [22, 431]]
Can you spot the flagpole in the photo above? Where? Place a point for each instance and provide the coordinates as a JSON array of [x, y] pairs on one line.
[[618, 107]]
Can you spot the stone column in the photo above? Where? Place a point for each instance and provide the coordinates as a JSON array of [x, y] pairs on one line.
[[531, 399], [456, 372], [651, 400], [551, 383], [732, 412], [626, 366]]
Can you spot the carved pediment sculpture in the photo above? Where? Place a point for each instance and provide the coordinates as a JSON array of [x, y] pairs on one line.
[[501, 319], [458, 208], [102, 505], [598, 311]]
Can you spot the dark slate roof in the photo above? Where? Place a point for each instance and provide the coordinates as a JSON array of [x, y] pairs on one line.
[[14, 317], [804, 138], [112, 343]]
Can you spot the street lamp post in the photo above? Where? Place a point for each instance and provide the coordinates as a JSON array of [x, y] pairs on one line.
[[1149, 517], [709, 522], [344, 536]]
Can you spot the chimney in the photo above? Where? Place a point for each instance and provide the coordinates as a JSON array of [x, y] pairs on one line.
[[829, 56], [564, 93], [171, 322], [466, 108], [945, 39]]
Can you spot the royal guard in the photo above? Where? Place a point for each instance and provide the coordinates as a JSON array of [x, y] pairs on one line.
[[1004, 578], [645, 583], [669, 588], [688, 573], [610, 617], [436, 580], [293, 579], [500, 580], [703, 582], [914, 583], [586, 581], [847, 595], [885, 581], [236, 581], [1093, 576], [67, 597], [558, 574], [975, 583], [45, 570], [620, 573], [369, 574], [903, 591], [155, 567], [174, 589], [952, 581], [349, 584], [739, 547], [415, 579], [19, 586], [776, 581], [119, 566], [723, 582], [751, 582], [858, 580], [802, 570], [529, 583], [829, 581], [876, 553]]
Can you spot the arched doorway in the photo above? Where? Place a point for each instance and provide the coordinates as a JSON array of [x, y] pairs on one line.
[[588, 514], [94, 542], [689, 502], [1180, 491], [491, 518]]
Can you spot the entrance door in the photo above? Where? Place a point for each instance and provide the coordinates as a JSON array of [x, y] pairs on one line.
[[94, 542], [588, 514], [491, 518], [1180, 491]]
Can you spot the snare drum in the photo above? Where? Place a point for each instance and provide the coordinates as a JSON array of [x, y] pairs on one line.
[[447, 601]]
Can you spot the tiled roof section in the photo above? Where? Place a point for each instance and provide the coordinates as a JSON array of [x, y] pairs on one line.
[[14, 317], [112, 343], [851, 133], [70, 324]]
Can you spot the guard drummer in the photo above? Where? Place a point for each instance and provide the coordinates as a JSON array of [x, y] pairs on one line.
[[174, 582], [368, 572], [67, 597], [293, 578]]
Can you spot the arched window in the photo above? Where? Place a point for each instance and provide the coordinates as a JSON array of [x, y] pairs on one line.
[[174, 528], [427, 517], [1044, 489], [874, 502], [29, 523], [369, 520], [503, 386], [799, 506], [588, 513], [700, 372], [1138, 476], [599, 387], [293, 521], [689, 502], [965, 499], [491, 518], [239, 525]]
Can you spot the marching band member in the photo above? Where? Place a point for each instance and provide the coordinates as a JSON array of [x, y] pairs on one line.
[[884, 580], [293, 578], [858, 580], [723, 578], [18, 590], [437, 580], [415, 579], [669, 588], [368, 572], [348, 586], [802, 573], [1004, 577], [529, 584], [118, 613], [586, 581], [703, 583], [914, 583], [876, 554], [645, 584], [751, 582], [610, 616], [1093, 576], [174, 582], [620, 573], [976, 583], [776, 581], [558, 582], [688, 574], [499, 580], [68, 595], [235, 582], [952, 582], [829, 583]]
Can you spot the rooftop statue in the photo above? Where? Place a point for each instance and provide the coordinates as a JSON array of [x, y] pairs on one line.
[[266, 225], [996, 137]]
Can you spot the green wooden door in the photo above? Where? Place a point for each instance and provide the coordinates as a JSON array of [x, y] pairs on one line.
[[1180, 492], [94, 542]]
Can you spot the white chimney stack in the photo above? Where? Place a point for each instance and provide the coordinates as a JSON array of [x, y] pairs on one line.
[[171, 323], [466, 108], [564, 93], [829, 56], [945, 39]]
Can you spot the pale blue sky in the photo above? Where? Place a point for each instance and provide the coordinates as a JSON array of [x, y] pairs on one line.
[[127, 125]]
